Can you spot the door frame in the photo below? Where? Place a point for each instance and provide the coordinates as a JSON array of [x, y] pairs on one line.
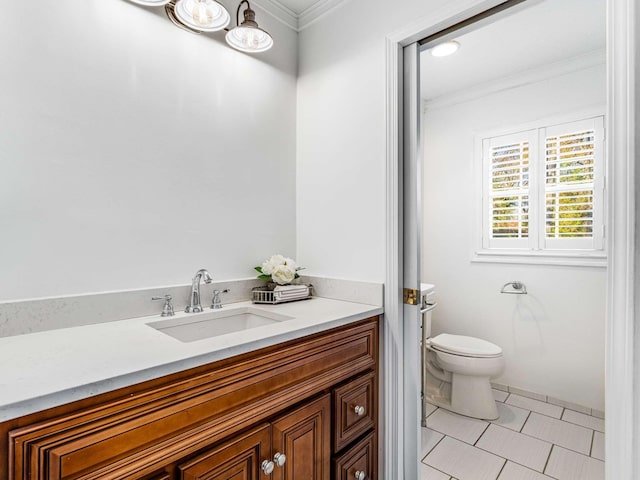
[[622, 359]]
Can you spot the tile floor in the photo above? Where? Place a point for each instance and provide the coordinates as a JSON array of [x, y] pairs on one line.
[[532, 440]]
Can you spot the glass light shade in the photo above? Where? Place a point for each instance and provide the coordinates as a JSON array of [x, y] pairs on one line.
[[445, 49], [202, 15], [249, 39], [151, 3]]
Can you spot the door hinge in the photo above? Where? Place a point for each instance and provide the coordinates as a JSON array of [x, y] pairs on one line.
[[410, 296]]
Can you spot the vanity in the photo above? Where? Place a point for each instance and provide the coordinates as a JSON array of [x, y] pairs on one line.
[[294, 400]]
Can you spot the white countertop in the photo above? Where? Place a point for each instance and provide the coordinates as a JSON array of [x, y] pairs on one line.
[[51, 368]]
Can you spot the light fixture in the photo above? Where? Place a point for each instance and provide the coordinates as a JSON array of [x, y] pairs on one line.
[[247, 36], [446, 48], [199, 16], [202, 15]]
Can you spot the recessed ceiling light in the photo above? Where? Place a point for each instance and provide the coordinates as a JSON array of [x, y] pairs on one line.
[[446, 48]]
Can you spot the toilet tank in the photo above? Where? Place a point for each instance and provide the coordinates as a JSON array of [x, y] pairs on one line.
[[427, 298]]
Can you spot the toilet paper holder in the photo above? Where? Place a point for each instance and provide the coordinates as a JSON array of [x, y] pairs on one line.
[[518, 288]]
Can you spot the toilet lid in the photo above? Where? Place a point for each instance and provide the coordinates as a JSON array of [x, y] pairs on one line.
[[461, 345]]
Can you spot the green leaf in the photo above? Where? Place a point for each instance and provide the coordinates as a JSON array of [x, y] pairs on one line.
[[264, 277], [259, 269]]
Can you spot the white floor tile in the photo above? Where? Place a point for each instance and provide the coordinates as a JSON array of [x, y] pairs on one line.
[[522, 449], [511, 417], [535, 405], [463, 461], [430, 439], [597, 449], [588, 421], [567, 465], [428, 473], [429, 409], [513, 471], [558, 432], [499, 395], [457, 426]]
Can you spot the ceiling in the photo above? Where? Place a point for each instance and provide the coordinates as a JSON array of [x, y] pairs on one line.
[[534, 35], [298, 6]]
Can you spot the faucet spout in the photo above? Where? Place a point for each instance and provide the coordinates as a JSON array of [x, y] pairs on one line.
[[194, 301]]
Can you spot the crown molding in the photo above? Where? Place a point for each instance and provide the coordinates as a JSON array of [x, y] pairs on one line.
[[279, 12], [293, 20], [526, 77], [316, 11]]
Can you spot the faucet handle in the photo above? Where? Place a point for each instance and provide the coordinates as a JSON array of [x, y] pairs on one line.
[[216, 303], [167, 309]]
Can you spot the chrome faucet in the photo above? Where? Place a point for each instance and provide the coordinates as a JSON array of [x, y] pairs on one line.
[[194, 301], [216, 303]]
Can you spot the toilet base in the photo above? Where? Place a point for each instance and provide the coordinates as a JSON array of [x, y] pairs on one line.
[[465, 395]]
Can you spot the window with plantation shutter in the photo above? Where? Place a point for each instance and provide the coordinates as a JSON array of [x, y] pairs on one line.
[[543, 191]]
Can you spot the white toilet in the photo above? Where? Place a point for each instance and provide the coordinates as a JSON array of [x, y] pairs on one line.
[[457, 370]]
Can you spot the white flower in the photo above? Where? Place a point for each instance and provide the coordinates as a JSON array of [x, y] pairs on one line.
[[283, 274], [290, 262], [269, 266]]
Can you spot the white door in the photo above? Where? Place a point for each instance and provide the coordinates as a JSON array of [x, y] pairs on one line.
[[412, 221]]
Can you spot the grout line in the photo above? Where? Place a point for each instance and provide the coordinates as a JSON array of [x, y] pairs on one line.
[[483, 432], [431, 466], [432, 449], [525, 422], [502, 468], [593, 438], [546, 464]]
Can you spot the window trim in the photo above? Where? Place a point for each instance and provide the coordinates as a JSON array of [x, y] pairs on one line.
[[481, 252]]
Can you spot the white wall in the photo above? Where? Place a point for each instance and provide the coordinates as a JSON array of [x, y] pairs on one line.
[[134, 153], [553, 338], [342, 136]]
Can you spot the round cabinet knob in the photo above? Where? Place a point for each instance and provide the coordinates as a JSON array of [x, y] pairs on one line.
[[359, 409], [267, 467], [279, 459], [360, 475]]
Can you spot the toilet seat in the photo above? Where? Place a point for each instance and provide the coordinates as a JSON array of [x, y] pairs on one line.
[[463, 345]]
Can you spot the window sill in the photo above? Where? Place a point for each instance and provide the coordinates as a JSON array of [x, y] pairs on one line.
[[573, 259]]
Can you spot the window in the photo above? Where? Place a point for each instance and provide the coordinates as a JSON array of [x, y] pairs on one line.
[[543, 192]]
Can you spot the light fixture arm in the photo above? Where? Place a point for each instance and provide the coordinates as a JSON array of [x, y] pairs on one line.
[[238, 11]]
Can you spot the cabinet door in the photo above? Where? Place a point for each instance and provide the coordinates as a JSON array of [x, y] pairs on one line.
[[359, 461], [237, 459], [304, 437]]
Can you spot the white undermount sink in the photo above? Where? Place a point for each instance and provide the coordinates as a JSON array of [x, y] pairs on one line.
[[197, 326]]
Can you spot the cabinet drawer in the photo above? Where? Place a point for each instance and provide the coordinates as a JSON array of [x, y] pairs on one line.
[[358, 460], [354, 409]]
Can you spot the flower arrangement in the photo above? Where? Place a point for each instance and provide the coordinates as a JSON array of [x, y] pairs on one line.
[[279, 269]]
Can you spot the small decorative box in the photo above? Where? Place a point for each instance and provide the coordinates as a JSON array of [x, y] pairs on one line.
[[281, 294]]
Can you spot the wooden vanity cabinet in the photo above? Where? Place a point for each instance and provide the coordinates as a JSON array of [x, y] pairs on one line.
[[219, 421]]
